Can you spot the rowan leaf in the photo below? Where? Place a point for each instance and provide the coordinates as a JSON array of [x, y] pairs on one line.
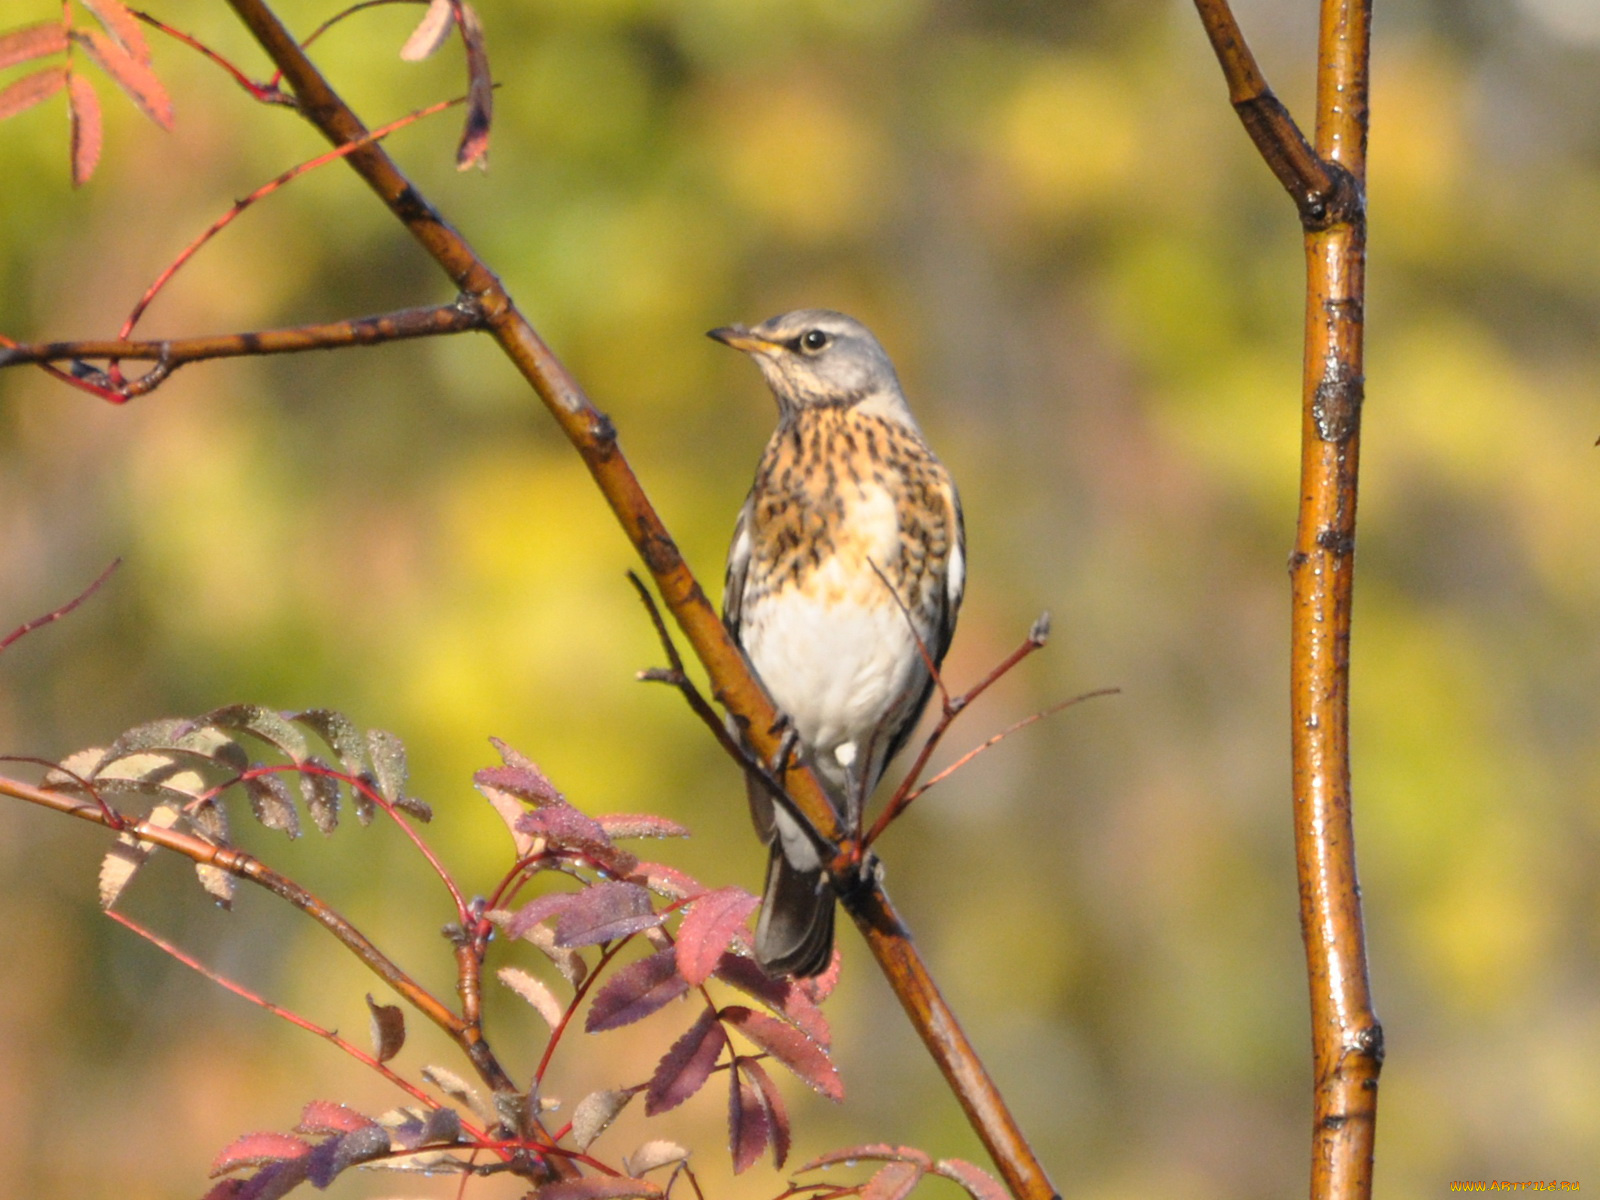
[[271, 803], [784, 996], [387, 754], [541, 908], [892, 1181], [535, 992], [458, 1089], [219, 884], [871, 1150], [636, 991], [262, 723], [31, 89], [569, 962], [653, 1154], [128, 853], [520, 776], [667, 881], [132, 76], [777, 1112], [685, 1067], [600, 1187], [431, 32], [88, 131], [707, 929], [258, 1149], [474, 146], [329, 1116], [566, 828], [978, 1182], [819, 987], [604, 912], [594, 1113], [32, 41], [320, 793], [789, 1046], [388, 1029], [748, 1129], [123, 27], [339, 1154]]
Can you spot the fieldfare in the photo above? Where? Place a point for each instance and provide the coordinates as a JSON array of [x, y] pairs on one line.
[[848, 551]]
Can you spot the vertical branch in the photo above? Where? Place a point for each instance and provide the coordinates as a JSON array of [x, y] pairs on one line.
[[1328, 188]]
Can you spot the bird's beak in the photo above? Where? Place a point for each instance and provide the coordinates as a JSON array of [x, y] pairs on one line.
[[740, 338]]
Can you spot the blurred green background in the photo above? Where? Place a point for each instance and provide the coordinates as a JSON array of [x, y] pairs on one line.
[[1091, 285]]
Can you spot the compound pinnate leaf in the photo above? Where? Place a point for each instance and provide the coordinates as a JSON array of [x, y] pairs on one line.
[[340, 734], [258, 1149], [777, 1113], [636, 991], [339, 1154], [32, 41], [594, 1114], [541, 908], [260, 722], [431, 32], [684, 1068], [569, 962], [790, 1047], [708, 927], [388, 1029], [565, 827], [128, 854], [131, 75], [667, 881], [271, 803], [329, 1116], [892, 1181], [977, 1181], [520, 776], [748, 1129], [604, 912], [31, 89], [600, 1187]]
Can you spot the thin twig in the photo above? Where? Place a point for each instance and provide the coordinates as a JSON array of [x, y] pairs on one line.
[[56, 614]]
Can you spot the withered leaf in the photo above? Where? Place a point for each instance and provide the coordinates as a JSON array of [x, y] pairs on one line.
[[535, 992], [594, 1114], [685, 1067], [636, 991], [430, 33], [128, 853], [474, 145], [388, 1029]]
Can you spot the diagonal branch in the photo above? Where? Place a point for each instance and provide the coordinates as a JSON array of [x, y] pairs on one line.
[[735, 688]]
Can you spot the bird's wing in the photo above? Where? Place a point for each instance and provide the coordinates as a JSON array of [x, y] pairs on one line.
[[738, 569]]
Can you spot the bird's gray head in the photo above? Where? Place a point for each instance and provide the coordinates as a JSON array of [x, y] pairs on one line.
[[815, 357]]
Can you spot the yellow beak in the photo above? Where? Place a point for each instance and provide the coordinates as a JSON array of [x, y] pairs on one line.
[[740, 338]]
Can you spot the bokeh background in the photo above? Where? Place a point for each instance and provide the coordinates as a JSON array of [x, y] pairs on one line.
[[1092, 288]]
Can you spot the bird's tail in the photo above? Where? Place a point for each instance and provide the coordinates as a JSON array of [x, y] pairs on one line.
[[794, 935]]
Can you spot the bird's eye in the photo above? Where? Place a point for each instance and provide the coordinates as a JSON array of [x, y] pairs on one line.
[[813, 340]]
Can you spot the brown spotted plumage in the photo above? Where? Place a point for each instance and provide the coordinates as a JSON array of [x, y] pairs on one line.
[[849, 549]]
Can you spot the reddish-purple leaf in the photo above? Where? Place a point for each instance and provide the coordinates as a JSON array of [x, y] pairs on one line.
[[872, 1150], [707, 929], [684, 1068], [640, 825], [328, 1116], [480, 92], [521, 776], [567, 828], [789, 1046], [636, 991], [227, 1189], [667, 881], [388, 1029], [977, 1181], [747, 1121], [122, 26], [338, 1154], [604, 912], [818, 987], [83, 106], [599, 1187], [32, 41], [784, 996], [777, 1114], [541, 908], [131, 75], [256, 1149], [31, 89], [430, 33], [892, 1181]]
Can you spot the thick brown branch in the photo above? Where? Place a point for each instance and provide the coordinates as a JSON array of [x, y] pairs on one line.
[[1347, 1040], [236, 862], [594, 437], [1323, 191]]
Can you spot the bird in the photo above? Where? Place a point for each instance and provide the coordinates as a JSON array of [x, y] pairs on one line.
[[845, 577]]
